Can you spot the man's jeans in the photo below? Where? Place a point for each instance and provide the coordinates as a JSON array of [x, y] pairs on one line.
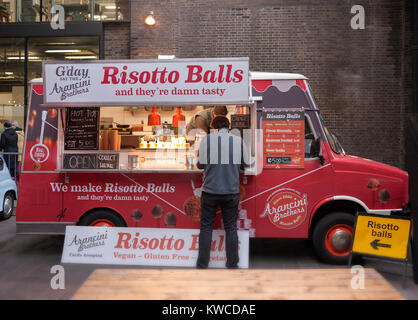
[[229, 206]]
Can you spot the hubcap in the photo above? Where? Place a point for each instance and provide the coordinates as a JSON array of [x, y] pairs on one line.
[[8, 205], [340, 240]]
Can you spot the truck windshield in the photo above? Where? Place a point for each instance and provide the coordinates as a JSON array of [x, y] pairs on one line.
[[333, 141]]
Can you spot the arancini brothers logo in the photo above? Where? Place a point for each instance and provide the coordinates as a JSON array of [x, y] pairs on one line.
[[286, 208]]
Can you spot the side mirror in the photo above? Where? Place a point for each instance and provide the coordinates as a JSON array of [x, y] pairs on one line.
[[316, 150]]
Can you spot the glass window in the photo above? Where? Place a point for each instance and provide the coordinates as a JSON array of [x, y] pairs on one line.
[[28, 10], [20, 10], [7, 10], [59, 48], [309, 139], [12, 75], [332, 139], [75, 10], [107, 10]]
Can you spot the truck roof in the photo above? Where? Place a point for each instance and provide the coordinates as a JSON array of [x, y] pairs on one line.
[[276, 76], [254, 76], [36, 80]]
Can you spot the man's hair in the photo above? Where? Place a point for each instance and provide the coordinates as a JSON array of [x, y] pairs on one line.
[[220, 122], [220, 110]]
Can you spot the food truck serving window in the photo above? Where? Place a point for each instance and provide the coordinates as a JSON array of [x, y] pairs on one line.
[[139, 138]]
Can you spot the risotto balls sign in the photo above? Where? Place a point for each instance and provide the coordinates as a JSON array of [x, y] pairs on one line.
[[146, 246], [146, 82]]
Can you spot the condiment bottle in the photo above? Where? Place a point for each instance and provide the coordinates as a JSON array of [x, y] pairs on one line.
[[178, 117], [154, 118]]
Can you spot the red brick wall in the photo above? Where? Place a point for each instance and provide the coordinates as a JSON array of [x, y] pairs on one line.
[[117, 40], [361, 78]]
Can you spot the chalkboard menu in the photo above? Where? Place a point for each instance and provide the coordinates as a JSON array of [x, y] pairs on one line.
[[91, 161], [283, 139], [82, 129]]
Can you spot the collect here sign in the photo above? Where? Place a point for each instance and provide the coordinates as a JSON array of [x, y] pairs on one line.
[[146, 246], [147, 82]]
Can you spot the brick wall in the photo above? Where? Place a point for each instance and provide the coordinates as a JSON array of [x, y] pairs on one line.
[[361, 78], [117, 40]]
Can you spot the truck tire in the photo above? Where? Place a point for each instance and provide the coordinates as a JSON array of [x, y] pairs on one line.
[[8, 203], [332, 237], [102, 218]]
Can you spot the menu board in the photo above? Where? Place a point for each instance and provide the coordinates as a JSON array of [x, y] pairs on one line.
[[82, 129], [283, 139], [240, 122], [94, 161]]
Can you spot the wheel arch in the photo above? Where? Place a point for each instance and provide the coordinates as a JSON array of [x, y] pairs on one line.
[[13, 192], [331, 205], [90, 211]]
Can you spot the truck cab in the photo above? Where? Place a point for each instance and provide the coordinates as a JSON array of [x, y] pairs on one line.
[[331, 185]]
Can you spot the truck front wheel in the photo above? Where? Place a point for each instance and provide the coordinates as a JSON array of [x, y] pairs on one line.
[[102, 218], [332, 237]]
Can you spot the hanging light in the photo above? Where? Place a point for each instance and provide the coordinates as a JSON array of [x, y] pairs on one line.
[[150, 19]]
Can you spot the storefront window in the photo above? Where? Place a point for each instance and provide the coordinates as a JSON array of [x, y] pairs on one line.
[[62, 48], [12, 75], [75, 10], [107, 10], [13, 72], [7, 11]]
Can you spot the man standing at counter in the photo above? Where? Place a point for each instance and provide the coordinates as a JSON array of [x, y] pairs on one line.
[[221, 155], [203, 119]]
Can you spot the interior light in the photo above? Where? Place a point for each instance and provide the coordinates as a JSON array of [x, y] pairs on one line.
[[80, 57], [60, 43], [61, 51], [22, 58]]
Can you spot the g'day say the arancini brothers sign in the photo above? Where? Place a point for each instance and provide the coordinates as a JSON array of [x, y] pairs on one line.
[[147, 82]]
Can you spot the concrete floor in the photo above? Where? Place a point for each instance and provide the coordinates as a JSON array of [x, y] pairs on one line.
[[26, 261]]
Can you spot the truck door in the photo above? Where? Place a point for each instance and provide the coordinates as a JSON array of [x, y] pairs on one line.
[[287, 192]]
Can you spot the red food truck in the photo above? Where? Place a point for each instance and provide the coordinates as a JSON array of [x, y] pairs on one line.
[[106, 145]]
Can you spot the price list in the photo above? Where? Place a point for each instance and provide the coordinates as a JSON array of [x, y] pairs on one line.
[[82, 129], [283, 139]]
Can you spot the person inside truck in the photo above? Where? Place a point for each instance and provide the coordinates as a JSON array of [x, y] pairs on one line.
[[203, 119]]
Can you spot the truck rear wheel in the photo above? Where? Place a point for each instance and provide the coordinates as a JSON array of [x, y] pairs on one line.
[[332, 237], [102, 218]]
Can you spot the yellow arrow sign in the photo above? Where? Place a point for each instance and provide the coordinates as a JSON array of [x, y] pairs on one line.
[[382, 236]]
